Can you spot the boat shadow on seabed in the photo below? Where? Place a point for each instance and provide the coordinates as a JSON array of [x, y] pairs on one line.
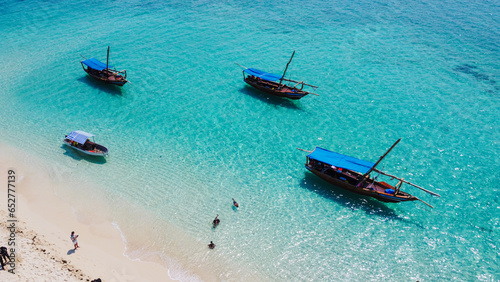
[[271, 100], [77, 156], [349, 199], [101, 86]]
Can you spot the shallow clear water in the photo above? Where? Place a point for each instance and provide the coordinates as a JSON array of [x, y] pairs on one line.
[[187, 135]]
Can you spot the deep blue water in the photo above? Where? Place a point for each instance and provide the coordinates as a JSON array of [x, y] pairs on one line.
[[188, 135]]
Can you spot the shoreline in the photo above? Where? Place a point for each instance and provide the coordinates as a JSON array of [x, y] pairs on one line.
[[48, 218]]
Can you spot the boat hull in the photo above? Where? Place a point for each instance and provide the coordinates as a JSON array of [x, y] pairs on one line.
[[108, 78], [273, 89], [99, 151], [345, 184]]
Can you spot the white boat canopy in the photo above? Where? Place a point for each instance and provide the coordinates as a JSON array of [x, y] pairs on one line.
[[79, 136]]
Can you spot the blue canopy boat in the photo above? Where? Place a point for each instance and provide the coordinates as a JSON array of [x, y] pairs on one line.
[[354, 175], [104, 72], [268, 82], [80, 141]]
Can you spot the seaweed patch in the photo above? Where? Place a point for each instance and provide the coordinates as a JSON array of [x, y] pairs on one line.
[[474, 72]]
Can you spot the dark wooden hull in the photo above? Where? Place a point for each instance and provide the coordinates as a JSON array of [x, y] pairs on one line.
[[349, 182], [90, 148], [106, 76], [273, 88]]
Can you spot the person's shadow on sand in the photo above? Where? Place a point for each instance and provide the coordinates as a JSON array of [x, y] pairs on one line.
[[70, 252]]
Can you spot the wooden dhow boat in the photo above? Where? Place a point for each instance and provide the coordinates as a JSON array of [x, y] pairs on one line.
[[273, 83], [80, 141], [354, 175], [104, 72]]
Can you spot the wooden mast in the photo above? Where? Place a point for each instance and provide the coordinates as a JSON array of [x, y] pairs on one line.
[[383, 156], [107, 60], [400, 179], [281, 80], [379, 160]]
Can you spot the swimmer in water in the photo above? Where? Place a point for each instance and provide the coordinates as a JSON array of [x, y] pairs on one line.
[[216, 221], [211, 245]]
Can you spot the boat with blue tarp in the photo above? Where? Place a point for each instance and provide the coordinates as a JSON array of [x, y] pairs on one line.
[[80, 141], [273, 83], [104, 72], [353, 174]]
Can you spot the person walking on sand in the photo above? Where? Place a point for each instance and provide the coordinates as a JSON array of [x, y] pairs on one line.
[[235, 203], [4, 257], [1, 263], [216, 221], [74, 239]]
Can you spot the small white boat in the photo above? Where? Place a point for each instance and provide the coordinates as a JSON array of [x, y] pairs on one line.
[[80, 141]]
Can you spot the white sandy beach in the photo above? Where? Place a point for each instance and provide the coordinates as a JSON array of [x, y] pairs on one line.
[[43, 249]]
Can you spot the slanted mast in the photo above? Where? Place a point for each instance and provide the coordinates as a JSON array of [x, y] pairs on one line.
[[379, 160], [401, 180], [286, 68]]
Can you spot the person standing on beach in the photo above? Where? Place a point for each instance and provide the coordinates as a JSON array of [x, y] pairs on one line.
[[74, 239], [4, 257], [1, 263]]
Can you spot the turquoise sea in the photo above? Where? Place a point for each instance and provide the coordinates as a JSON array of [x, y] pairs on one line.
[[188, 135]]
